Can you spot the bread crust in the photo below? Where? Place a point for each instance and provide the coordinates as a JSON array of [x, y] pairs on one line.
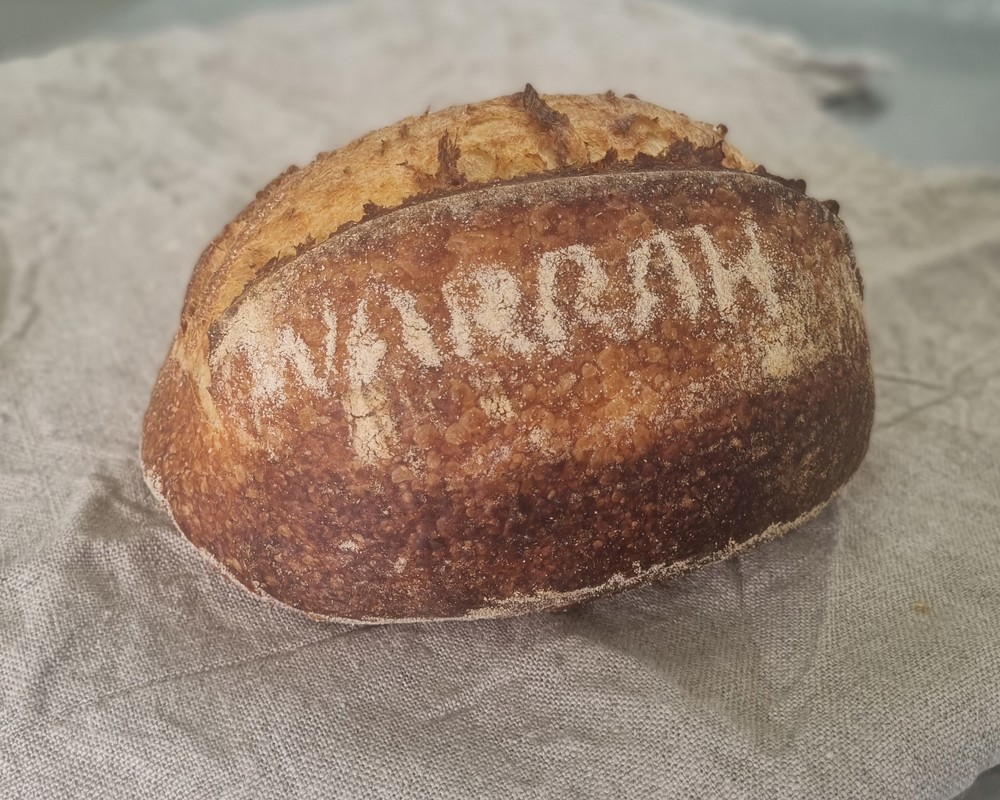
[[500, 393]]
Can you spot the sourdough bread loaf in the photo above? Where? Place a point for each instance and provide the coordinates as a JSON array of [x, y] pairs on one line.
[[506, 357]]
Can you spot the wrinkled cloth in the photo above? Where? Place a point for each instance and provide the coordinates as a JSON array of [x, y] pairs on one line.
[[855, 657]]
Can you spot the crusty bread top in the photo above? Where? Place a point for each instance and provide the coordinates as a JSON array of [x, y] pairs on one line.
[[508, 356], [501, 139]]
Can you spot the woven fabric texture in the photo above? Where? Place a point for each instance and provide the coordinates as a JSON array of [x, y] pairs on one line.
[[856, 657]]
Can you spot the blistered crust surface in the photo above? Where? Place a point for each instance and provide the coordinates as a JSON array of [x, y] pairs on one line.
[[554, 385], [501, 139]]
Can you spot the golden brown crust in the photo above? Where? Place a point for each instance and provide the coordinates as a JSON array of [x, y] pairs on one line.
[[500, 387], [500, 139]]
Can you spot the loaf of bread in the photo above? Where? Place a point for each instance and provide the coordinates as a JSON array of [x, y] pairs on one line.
[[507, 357]]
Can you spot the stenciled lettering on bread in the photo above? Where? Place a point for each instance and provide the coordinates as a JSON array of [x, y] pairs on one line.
[[507, 357]]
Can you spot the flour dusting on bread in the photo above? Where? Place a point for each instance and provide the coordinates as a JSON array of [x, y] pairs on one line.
[[506, 357]]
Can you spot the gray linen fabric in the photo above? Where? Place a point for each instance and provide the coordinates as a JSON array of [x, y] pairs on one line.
[[856, 657]]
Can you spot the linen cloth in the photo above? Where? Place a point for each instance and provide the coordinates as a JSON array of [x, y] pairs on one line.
[[858, 656]]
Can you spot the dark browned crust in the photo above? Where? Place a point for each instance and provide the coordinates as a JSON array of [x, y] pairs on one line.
[[795, 184], [733, 465], [223, 263], [448, 173], [681, 155], [547, 118]]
